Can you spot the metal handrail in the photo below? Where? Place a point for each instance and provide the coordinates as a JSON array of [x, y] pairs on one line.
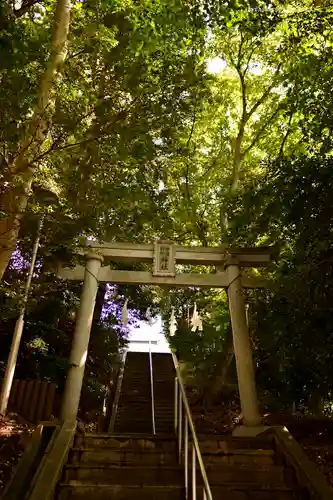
[[181, 402], [152, 390], [117, 394]]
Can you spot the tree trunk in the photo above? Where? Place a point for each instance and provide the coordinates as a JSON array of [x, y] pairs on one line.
[[236, 165], [99, 303], [14, 199], [220, 377], [238, 156]]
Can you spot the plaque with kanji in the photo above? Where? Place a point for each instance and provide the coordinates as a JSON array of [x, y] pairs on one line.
[[164, 263]]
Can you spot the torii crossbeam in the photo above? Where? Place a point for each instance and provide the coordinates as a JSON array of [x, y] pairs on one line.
[[228, 265]]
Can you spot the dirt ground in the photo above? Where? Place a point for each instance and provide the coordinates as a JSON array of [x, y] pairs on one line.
[[14, 435]]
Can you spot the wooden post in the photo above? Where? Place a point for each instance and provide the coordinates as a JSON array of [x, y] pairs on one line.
[[242, 346], [78, 356]]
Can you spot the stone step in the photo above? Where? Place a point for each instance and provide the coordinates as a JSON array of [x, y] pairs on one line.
[[143, 385], [266, 457], [137, 427], [134, 402], [141, 416], [170, 492], [121, 492], [164, 423], [259, 476], [141, 420], [137, 368], [139, 378], [134, 392], [228, 444], [163, 428], [136, 411], [143, 429], [167, 423], [136, 379], [248, 493], [238, 451], [129, 442], [131, 404], [164, 406], [106, 473], [119, 456], [123, 474]]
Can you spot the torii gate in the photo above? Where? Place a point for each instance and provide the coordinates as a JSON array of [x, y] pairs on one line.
[[164, 255]]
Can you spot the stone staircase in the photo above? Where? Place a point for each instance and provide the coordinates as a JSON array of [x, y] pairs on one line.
[[110, 467], [164, 386], [134, 412], [134, 463], [248, 469], [115, 467]]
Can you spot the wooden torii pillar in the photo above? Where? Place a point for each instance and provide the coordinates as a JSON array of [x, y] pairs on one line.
[[228, 263]]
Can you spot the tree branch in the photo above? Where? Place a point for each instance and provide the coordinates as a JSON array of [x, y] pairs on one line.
[[262, 130], [284, 140], [238, 142], [67, 146], [213, 163], [188, 194], [239, 55], [249, 60], [265, 94]]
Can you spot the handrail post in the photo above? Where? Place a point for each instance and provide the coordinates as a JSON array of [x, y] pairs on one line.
[[152, 390], [186, 456], [180, 429], [194, 479], [180, 400], [176, 404]]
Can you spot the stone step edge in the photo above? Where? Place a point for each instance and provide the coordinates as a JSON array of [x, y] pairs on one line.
[[108, 466], [265, 453], [225, 486], [235, 439], [126, 450], [128, 436], [129, 486], [211, 467]]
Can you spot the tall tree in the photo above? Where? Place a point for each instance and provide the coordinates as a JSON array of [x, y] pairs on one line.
[[129, 80], [20, 164]]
